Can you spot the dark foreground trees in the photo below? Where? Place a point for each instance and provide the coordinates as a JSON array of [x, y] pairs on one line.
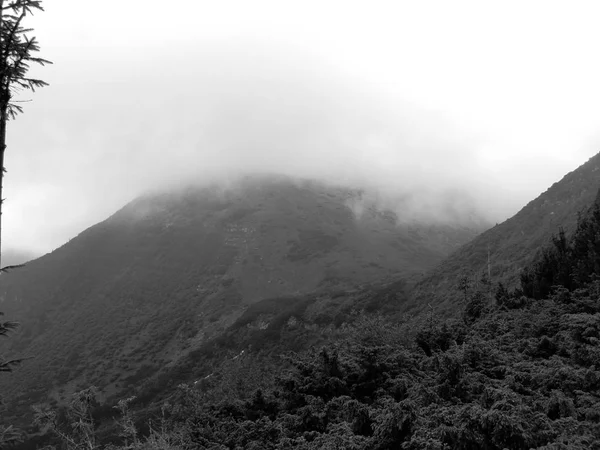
[[521, 377], [517, 378], [570, 262], [5, 328]]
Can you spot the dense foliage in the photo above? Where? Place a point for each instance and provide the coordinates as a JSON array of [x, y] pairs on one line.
[[571, 263], [8, 434], [513, 378], [519, 377]]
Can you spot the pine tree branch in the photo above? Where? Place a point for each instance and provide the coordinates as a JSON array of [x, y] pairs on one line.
[[9, 42], [27, 4], [18, 63]]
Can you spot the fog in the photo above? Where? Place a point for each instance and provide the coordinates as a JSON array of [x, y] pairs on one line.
[[223, 93]]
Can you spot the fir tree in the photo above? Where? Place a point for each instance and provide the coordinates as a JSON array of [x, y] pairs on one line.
[[17, 52]]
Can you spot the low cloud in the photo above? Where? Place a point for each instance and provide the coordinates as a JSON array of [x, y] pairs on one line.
[[215, 113]]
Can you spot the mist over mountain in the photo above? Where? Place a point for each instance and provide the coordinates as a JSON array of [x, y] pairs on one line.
[[173, 269], [242, 109]]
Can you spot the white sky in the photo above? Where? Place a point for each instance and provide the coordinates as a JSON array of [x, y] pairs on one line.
[[497, 98]]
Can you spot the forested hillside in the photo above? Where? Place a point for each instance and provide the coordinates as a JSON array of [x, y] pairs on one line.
[[515, 372], [513, 244]]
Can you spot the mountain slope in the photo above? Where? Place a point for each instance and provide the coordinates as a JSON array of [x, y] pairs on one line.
[[170, 271], [514, 243], [13, 256]]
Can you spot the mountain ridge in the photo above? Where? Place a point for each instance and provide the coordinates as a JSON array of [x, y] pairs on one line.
[[514, 243]]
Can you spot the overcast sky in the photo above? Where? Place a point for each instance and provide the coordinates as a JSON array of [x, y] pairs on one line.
[[499, 99]]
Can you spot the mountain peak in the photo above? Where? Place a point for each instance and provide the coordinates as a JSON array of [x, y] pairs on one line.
[[172, 269]]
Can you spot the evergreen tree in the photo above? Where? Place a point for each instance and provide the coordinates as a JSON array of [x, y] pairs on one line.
[[571, 263], [5, 328], [586, 246], [17, 52]]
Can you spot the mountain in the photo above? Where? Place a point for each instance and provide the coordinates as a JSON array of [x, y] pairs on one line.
[[170, 271], [519, 373], [12, 257], [514, 243]]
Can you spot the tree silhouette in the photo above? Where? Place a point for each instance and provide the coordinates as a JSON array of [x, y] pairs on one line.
[[17, 52]]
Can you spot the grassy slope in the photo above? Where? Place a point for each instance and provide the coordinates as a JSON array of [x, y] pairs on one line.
[[514, 243]]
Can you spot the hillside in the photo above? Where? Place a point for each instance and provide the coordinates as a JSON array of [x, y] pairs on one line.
[[171, 271], [514, 243], [14, 256], [518, 373]]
